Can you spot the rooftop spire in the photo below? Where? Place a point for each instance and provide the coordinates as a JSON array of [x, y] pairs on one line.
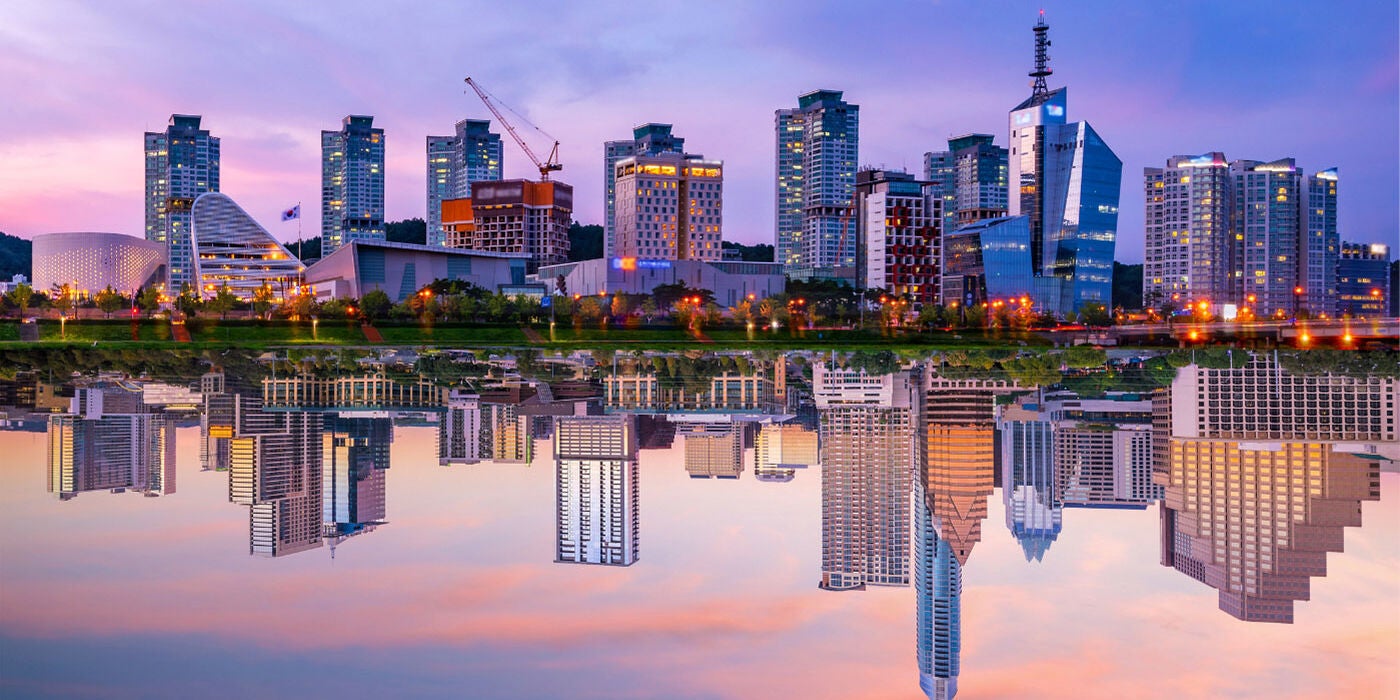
[[1042, 58]]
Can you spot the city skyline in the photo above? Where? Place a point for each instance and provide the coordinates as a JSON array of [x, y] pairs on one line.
[[269, 106]]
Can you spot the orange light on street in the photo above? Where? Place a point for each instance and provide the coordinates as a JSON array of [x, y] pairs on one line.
[[1298, 290], [1195, 335]]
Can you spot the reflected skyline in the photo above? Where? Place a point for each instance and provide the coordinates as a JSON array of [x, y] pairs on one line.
[[907, 465]]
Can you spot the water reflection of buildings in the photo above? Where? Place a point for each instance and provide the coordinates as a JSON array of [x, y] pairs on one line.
[[1027, 451], [782, 448], [865, 426], [713, 449], [355, 450], [664, 384], [938, 590], [596, 490], [1263, 473], [958, 455], [309, 476], [110, 441]]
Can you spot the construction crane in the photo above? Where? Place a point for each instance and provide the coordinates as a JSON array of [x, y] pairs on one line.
[[550, 164]]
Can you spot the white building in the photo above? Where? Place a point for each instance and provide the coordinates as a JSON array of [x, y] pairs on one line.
[[668, 207], [596, 490]]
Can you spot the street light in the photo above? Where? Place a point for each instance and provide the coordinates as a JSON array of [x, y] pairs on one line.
[[1297, 300]]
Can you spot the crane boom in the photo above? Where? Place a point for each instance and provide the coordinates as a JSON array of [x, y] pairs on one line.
[[547, 166]]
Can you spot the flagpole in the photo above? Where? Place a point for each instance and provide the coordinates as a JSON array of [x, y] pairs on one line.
[[301, 252]]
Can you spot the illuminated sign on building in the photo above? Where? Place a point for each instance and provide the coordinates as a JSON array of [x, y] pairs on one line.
[[628, 264]]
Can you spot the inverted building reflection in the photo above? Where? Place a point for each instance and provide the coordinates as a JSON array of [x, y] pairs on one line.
[[111, 440], [1254, 499]]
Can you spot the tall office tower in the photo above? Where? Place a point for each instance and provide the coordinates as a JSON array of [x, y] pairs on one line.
[[182, 163], [275, 464], [1255, 520], [1034, 514], [472, 154], [513, 216], [597, 517], [1190, 247], [941, 173], [96, 448], [971, 176], [957, 455], [1067, 180], [668, 207], [442, 153], [865, 428], [355, 454], [782, 448], [938, 615], [1285, 226], [1102, 465], [817, 152], [352, 183], [1258, 400], [1363, 280], [899, 226], [649, 139], [459, 430], [713, 450]]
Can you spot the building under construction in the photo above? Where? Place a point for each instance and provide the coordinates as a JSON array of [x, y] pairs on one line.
[[513, 216]]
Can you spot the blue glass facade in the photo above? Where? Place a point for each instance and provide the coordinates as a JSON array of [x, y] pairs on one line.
[[938, 614]]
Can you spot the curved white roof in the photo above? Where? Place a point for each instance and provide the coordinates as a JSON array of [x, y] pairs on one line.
[[231, 248]]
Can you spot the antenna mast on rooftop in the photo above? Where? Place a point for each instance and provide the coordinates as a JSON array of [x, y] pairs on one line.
[[1042, 58]]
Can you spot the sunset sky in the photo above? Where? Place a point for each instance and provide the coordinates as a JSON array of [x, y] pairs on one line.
[[83, 80]]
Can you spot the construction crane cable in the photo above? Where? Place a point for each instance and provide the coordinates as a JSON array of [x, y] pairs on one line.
[[512, 110]]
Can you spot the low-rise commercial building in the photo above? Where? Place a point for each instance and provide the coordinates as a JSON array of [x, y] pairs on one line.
[[91, 262], [401, 269], [731, 282]]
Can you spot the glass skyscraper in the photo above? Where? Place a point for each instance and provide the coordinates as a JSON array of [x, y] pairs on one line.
[[352, 183], [1067, 182], [817, 151], [472, 154], [182, 163]]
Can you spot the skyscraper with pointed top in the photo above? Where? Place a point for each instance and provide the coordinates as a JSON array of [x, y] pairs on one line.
[[1066, 180]]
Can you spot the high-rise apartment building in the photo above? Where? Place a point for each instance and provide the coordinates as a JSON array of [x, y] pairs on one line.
[[275, 468], [817, 153], [866, 434], [1190, 247], [106, 443], [1285, 226], [472, 154], [1099, 465], [352, 183], [1363, 280], [458, 430], [1067, 183], [899, 223], [668, 207], [1258, 399], [1259, 236], [1256, 520], [513, 216], [971, 176], [713, 450], [782, 448], [182, 163], [649, 139], [597, 517]]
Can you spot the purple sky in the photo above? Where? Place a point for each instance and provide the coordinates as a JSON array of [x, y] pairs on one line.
[[83, 80]]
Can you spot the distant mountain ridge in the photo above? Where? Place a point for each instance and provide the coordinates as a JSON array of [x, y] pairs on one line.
[[16, 257]]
